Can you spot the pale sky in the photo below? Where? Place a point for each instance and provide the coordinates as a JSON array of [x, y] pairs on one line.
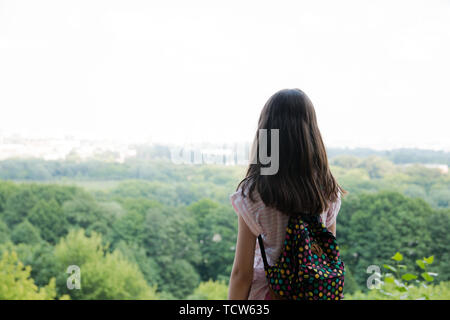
[[378, 72]]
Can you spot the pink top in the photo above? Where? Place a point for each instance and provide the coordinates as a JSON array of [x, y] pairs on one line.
[[272, 225]]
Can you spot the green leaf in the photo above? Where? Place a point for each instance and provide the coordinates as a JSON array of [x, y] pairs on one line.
[[402, 289], [389, 279], [397, 257], [409, 277], [429, 260], [427, 277], [389, 267], [421, 264]]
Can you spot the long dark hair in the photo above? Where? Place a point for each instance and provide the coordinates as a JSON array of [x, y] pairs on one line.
[[303, 183]]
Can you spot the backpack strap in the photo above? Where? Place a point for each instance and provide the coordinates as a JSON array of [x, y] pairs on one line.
[[263, 252]]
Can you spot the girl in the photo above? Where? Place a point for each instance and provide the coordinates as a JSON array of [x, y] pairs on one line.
[[263, 203]]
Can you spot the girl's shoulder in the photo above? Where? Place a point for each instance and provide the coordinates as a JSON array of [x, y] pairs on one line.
[[241, 197], [248, 209], [330, 215]]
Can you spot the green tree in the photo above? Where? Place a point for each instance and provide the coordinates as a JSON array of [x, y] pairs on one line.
[[346, 161], [377, 167], [129, 228], [104, 275], [83, 210], [113, 277], [172, 232], [210, 290], [439, 225], [218, 240], [372, 226], [19, 204], [135, 254], [7, 188], [77, 249], [178, 277], [44, 265], [25, 232], [16, 284], [4, 232], [49, 218]]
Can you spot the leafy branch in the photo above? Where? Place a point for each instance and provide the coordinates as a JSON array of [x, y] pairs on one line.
[[398, 281]]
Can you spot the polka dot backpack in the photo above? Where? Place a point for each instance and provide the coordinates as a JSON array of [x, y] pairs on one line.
[[309, 266]]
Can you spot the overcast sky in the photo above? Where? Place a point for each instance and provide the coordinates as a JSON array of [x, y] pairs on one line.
[[378, 72]]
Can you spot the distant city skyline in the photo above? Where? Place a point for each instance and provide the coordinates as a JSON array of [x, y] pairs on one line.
[[73, 136], [201, 71], [74, 148]]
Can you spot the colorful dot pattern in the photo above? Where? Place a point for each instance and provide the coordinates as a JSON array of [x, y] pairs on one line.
[[303, 274]]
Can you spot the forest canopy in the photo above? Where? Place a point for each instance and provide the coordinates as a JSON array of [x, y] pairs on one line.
[[151, 229]]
